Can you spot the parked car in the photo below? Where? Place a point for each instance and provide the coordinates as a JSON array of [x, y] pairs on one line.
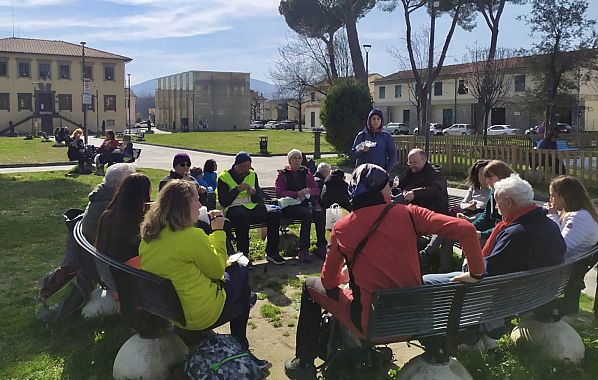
[[500, 130], [257, 124], [271, 124], [144, 124], [563, 128], [538, 129], [396, 129], [435, 129], [459, 129], [285, 124]]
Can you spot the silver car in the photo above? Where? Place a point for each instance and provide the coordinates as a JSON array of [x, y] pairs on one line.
[[396, 129]]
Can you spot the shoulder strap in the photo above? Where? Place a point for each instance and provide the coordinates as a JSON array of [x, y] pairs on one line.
[[355, 307]]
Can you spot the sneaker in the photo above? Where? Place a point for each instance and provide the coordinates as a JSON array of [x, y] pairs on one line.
[[275, 258], [296, 369], [304, 256], [262, 364], [252, 300]]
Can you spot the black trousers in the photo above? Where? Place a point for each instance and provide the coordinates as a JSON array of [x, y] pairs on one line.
[[241, 217], [307, 215]]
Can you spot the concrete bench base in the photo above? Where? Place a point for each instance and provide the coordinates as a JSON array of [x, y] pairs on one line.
[[558, 340], [101, 303], [421, 368], [141, 358]]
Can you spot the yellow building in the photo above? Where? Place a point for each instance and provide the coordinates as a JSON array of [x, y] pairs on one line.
[[42, 85]]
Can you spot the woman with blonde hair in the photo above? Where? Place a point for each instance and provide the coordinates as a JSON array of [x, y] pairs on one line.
[[211, 293], [571, 208], [76, 151]]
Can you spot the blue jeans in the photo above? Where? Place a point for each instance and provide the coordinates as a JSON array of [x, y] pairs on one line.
[[439, 278]]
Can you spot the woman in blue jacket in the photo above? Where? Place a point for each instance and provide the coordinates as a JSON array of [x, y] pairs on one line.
[[373, 145]]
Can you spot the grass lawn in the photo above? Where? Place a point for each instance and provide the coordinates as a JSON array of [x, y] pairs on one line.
[[33, 240], [16, 150], [279, 142]]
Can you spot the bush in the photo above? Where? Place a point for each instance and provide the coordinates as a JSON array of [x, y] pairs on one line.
[[344, 113]]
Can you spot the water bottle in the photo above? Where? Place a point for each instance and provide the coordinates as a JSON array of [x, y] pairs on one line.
[[203, 215], [395, 182]]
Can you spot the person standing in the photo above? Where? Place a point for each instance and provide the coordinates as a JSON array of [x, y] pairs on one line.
[[373, 145], [240, 195]]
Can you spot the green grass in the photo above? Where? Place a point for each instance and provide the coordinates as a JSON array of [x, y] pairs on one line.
[[279, 142], [16, 150]]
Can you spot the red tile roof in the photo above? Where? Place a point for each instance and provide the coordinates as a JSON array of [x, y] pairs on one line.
[[51, 47]]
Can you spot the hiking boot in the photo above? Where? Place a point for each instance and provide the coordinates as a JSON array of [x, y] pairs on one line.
[[64, 309], [381, 355], [275, 258], [304, 256], [252, 300], [262, 364], [297, 369]]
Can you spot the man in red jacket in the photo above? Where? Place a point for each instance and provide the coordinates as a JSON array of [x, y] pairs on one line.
[[388, 260]]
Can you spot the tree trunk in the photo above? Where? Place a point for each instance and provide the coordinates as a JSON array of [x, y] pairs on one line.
[[300, 104], [331, 56], [486, 117], [353, 39]]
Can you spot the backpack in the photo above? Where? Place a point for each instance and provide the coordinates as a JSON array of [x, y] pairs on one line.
[[221, 357]]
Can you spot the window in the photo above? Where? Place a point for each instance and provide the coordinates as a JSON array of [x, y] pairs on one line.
[[406, 116], [24, 101], [109, 102], [24, 69], [65, 102], [398, 91], [382, 92], [108, 72], [44, 70], [3, 69], [437, 88], [312, 97], [64, 71], [88, 72], [4, 101], [463, 87], [110, 123], [520, 82]]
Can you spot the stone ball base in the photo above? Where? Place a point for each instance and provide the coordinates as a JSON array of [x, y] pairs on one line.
[[558, 340], [148, 359], [101, 303], [419, 368]]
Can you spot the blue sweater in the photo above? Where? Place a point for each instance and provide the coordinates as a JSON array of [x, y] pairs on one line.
[[532, 241], [384, 154], [211, 179]]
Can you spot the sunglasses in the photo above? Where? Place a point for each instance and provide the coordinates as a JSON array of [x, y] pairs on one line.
[[185, 164]]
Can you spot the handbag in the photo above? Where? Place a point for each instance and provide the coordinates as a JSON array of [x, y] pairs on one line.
[[220, 356], [333, 215]]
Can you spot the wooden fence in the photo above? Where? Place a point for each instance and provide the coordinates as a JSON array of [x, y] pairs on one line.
[[537, 165]]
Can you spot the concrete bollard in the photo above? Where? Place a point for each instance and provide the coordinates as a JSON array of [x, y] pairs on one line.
[[558, 340], [420, 368]]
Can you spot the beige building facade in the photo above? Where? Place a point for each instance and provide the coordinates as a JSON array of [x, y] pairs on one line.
[[203, 100], [42, 85]]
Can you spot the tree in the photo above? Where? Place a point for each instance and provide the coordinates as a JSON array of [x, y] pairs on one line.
[[256, 105], [489, 81], [344, 112], [567, 43], [144, 103], [353, 10]]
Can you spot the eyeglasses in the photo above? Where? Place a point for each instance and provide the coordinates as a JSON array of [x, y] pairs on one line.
[[185, 164]]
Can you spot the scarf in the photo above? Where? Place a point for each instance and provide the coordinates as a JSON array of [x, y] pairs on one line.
[[500, 226]]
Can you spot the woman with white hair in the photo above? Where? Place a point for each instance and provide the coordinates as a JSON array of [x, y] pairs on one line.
[[297, 182], [526, 238]]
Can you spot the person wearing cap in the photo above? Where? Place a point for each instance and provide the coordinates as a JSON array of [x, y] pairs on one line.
[[388, 260], [374, 145], [181, 168], [239, 194], [296, 181]]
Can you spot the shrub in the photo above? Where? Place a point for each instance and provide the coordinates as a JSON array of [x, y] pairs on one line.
[[344, 113]]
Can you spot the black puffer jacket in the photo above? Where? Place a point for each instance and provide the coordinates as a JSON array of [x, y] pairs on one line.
[[335, 190], [429, 188]]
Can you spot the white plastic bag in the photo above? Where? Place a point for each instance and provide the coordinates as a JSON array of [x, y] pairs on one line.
[[333, 215]]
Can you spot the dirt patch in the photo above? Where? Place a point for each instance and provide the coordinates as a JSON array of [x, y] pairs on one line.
[[273, 321]]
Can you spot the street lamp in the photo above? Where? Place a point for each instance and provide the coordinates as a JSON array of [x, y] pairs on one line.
[[367, 48], [129, 103], [97, 111], [83, 91], [428, 112]]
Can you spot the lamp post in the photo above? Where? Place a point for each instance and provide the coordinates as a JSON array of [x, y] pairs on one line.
[[367, 48], [97, 110], [129, 103], [82, 92], [428, 112]]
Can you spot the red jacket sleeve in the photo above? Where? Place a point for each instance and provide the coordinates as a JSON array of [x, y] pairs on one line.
[[331, 271], [428, 222]]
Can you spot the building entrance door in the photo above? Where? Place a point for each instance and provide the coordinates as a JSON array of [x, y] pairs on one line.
[[447, 116], [498, 116], [45, 109]]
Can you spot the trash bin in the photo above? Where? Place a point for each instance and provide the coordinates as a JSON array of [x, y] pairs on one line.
[[264, 145]]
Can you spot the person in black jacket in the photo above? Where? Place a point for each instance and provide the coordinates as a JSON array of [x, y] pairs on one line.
[[335, 190], [423, 185]]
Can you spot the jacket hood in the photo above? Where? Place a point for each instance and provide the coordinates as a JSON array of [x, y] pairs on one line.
[[101, 193], [377, 113]]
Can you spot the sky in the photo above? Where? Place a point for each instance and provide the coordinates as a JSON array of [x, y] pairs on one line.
[[166, 37]]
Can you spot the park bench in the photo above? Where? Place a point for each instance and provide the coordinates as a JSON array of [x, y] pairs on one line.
[[563, 145], [137, 135], [443, 311]]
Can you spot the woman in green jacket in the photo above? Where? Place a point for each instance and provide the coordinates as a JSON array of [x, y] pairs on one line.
[[172, 247]]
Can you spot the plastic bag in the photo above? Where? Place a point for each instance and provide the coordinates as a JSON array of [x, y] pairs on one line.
[[333, 215]]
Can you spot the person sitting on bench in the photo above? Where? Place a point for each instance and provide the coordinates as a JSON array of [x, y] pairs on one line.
[[76, 151], [240, 194], [378, 243], [181, 169], [104, 151], [124, 152], [211, 293]]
